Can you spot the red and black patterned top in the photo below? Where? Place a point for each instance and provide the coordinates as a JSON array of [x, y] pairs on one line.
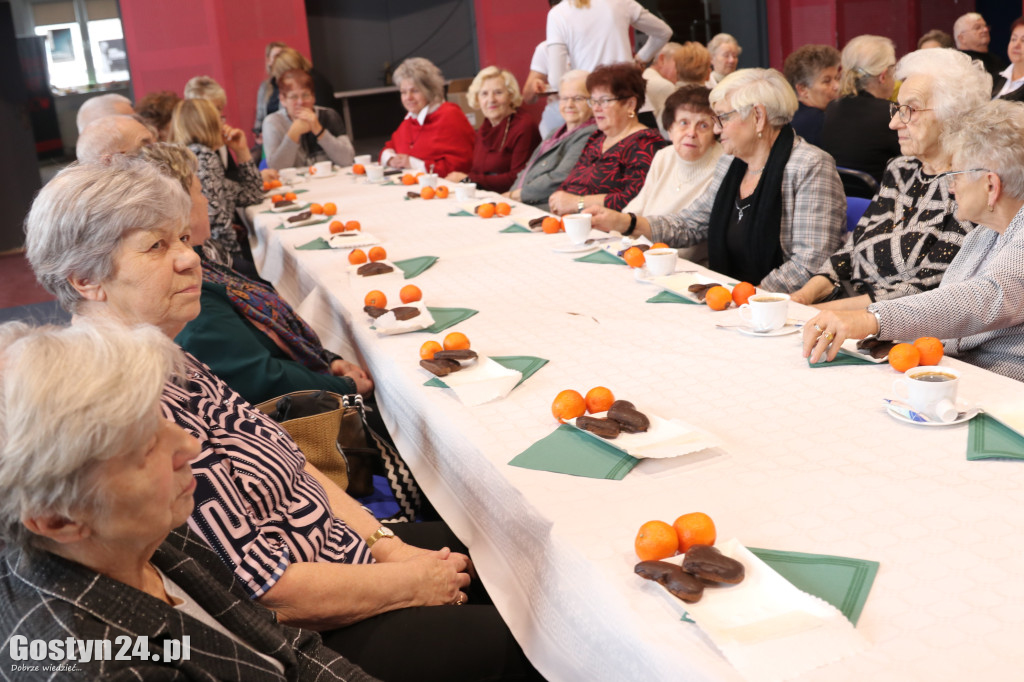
[[620, 172]]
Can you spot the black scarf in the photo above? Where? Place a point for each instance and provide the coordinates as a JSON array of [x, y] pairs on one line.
[[765, 250]]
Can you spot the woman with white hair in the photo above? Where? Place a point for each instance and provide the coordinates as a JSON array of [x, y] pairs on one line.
[[434, 135], [550, 164], [506, 138], [725, 56], [978, 309], [95, 487], [775, 206], [856, 131], [909, 233]]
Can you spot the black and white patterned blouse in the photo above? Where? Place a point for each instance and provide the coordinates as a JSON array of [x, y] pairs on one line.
[[255, 504], [225, 195], [906, 239], [978, 309]]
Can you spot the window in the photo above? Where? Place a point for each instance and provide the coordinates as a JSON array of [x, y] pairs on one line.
[[72, 63]]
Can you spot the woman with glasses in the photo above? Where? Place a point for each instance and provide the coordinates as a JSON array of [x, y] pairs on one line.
[[856, 131], [1009, 81], [978, 309], [550, 164], [614, 164], [775, 205], [909, 234], [302, 133]]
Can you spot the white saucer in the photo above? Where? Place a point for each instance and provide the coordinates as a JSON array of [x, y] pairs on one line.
[[575, 248], [966, 410], [781, 331]]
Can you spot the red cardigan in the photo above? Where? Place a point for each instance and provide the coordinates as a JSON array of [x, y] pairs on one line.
[[445, 139], [495, 166]]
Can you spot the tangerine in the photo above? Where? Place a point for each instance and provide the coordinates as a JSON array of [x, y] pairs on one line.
[[376, 298], [427, 193], [267, 186], [276, 198], [659, 245], [274, 184], [353, 226], [502, 208], [356, 256], [599, 399], [568, 404], [695, 528], [316, 208], [377, 253], [655, 540], [718, 298], [634, 257], [330, 208], [312, 170], [408, 179], [359, 169], [456, 341], [485, 210], [291, 196], [904, 356], [410, 293], [550, 225], [742, 291], [931, 350], [428, 349], [442, 192], [336, 226]]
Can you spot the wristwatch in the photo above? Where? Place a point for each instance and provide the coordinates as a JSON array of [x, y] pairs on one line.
[[579, 205], [379, 534]]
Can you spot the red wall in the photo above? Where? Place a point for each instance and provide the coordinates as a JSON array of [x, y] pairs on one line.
[[168, 43]]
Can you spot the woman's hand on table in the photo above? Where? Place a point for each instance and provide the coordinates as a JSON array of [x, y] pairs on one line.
[[606, 219], [344, 368], [515, 195], [398, 161], [562, 203], [455, 176], [817, 288], [825, 332], [442, 576], [269, 174]]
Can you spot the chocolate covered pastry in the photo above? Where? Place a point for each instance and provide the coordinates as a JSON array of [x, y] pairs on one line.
[[374, 311], [629, 418], [405, 312], [376, 268], [707, 563], [440, 367], [672, 578], [606, 428], [455, 354], [299, 217]]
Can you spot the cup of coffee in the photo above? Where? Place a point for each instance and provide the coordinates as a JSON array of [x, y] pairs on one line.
[[364, 159], [465, 191], [577, 227], [660, 262], [765, 312], [375, 172], [288, 175], [322, 168], [930, 390], [428, 180]]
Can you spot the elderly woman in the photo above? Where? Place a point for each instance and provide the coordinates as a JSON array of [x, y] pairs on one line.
[[155, 109], [303, 133], [1008, 83], [246, 333], [813, 71], [294, 540], [434, 135], [693, 64], [614, 164], [197, 124], [92, 481], [506, 138], [550, 164], [775, 206], [725, 56], [978, 309], [856, 131], [935, 38], [681, 173], [909, 234]]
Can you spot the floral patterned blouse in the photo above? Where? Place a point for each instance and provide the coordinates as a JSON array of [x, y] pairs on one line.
[[225, 195]]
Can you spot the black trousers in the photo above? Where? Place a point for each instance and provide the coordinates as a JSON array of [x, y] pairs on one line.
[[442, 643]]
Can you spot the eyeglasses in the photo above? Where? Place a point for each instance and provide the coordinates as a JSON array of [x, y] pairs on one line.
[[721, 119], [948, 179], [601, 102], [299, 97], [575, 99], [905, 111]]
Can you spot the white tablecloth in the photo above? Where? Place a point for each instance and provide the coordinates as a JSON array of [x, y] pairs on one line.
[[810, 461]]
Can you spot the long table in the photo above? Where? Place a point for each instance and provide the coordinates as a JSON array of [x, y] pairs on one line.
[[810, 462]]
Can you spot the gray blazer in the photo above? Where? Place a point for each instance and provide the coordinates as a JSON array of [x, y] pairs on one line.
[[546, 172]]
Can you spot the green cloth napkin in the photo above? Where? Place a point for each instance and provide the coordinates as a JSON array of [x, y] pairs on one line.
[[602, 257], [447, 317], [841, 359], [516, 228], [415, 266], [670, 297], [841, 581], [317, 244], [567, 450], [989, 438], [460, 214], [285, 226], [524, 364]]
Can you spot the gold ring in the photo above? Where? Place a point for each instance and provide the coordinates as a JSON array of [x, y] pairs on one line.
[[459, 602]]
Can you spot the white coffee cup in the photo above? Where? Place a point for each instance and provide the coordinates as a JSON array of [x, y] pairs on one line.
[[374, 172], [288, 175], [766, 312], [428, 180], [322, 168], [364, 159], [661, 262], [930, 390], [577, 227], [465, 191]]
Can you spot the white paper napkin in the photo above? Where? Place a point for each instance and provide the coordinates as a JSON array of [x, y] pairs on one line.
[[297, 207], [483, 381], [387, 323], [664, 438], [352, 239]]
